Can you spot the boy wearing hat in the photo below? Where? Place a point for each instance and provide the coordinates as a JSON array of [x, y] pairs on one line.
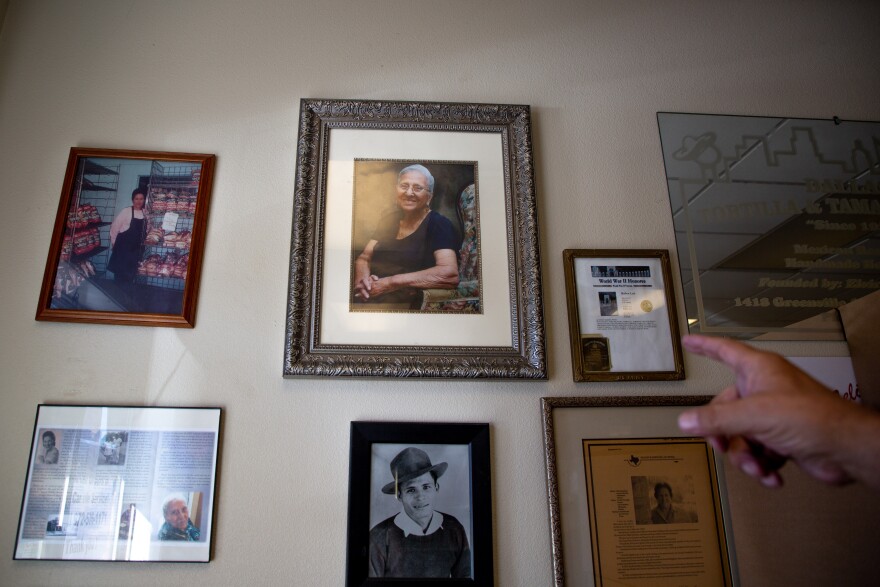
[[419, 541]]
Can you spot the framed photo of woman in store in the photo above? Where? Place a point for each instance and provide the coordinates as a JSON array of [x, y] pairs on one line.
[[414, 250], [419, 504], [128, 239]]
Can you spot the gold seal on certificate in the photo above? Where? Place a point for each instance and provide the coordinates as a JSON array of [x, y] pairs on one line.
[[646, 306], [594, 353]]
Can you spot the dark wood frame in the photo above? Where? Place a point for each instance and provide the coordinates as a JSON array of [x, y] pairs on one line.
[[555, 475], [305, 354], [363, 435], [186, 318], [579, 371]]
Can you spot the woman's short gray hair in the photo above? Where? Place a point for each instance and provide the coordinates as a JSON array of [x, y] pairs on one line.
[[172, 497], [421, 169]]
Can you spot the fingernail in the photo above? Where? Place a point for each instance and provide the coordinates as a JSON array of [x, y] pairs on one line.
[[750, 468], [687, 421], [770, 481]]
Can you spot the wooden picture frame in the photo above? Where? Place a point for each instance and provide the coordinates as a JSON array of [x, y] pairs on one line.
[[621, 315], [405, 475], [137, 261], [572, 423], [120, 483], [488, 322]]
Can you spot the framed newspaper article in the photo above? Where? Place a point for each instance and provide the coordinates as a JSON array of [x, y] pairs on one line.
[[621, 315], [419, 505], [111, 483], [632, 502]]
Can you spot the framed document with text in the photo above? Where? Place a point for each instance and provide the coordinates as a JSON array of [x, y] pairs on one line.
[[621, 315], [111, 483], [631, 502], [656, 492]]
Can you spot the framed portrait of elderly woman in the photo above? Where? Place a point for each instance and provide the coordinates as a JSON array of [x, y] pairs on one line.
[[632, 501], [414, 250], [129, 238], [621, 315], [419, 505], [115, 483]]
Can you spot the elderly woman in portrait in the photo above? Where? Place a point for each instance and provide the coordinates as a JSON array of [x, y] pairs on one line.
[[419, 541], [412, 249], [177, 524]]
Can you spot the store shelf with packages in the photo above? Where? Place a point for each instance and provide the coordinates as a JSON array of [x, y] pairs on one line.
[[88, 235], [76, 258], [171, 207], [84, 246]]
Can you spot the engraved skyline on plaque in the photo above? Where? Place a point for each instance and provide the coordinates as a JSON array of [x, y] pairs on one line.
[[777, 221]]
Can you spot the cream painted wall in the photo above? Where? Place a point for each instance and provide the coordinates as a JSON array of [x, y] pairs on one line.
[[225, 77]]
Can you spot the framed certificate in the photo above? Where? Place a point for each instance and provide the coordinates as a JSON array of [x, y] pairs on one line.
[[631, 501], [621, 315], [120, 484]]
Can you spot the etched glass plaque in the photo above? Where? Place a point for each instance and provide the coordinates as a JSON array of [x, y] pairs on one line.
[[777, 221]]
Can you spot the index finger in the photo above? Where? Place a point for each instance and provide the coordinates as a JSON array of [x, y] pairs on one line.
[[732, 353], [718, 442]]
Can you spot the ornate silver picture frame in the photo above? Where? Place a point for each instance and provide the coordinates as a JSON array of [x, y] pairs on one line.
[[414, 248]]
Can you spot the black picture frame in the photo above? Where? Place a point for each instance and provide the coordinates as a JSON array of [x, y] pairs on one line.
[[323, 337], [475, 441], [87, 497]]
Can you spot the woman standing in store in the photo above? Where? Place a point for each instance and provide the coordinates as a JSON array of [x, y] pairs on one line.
[[127, 234]]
